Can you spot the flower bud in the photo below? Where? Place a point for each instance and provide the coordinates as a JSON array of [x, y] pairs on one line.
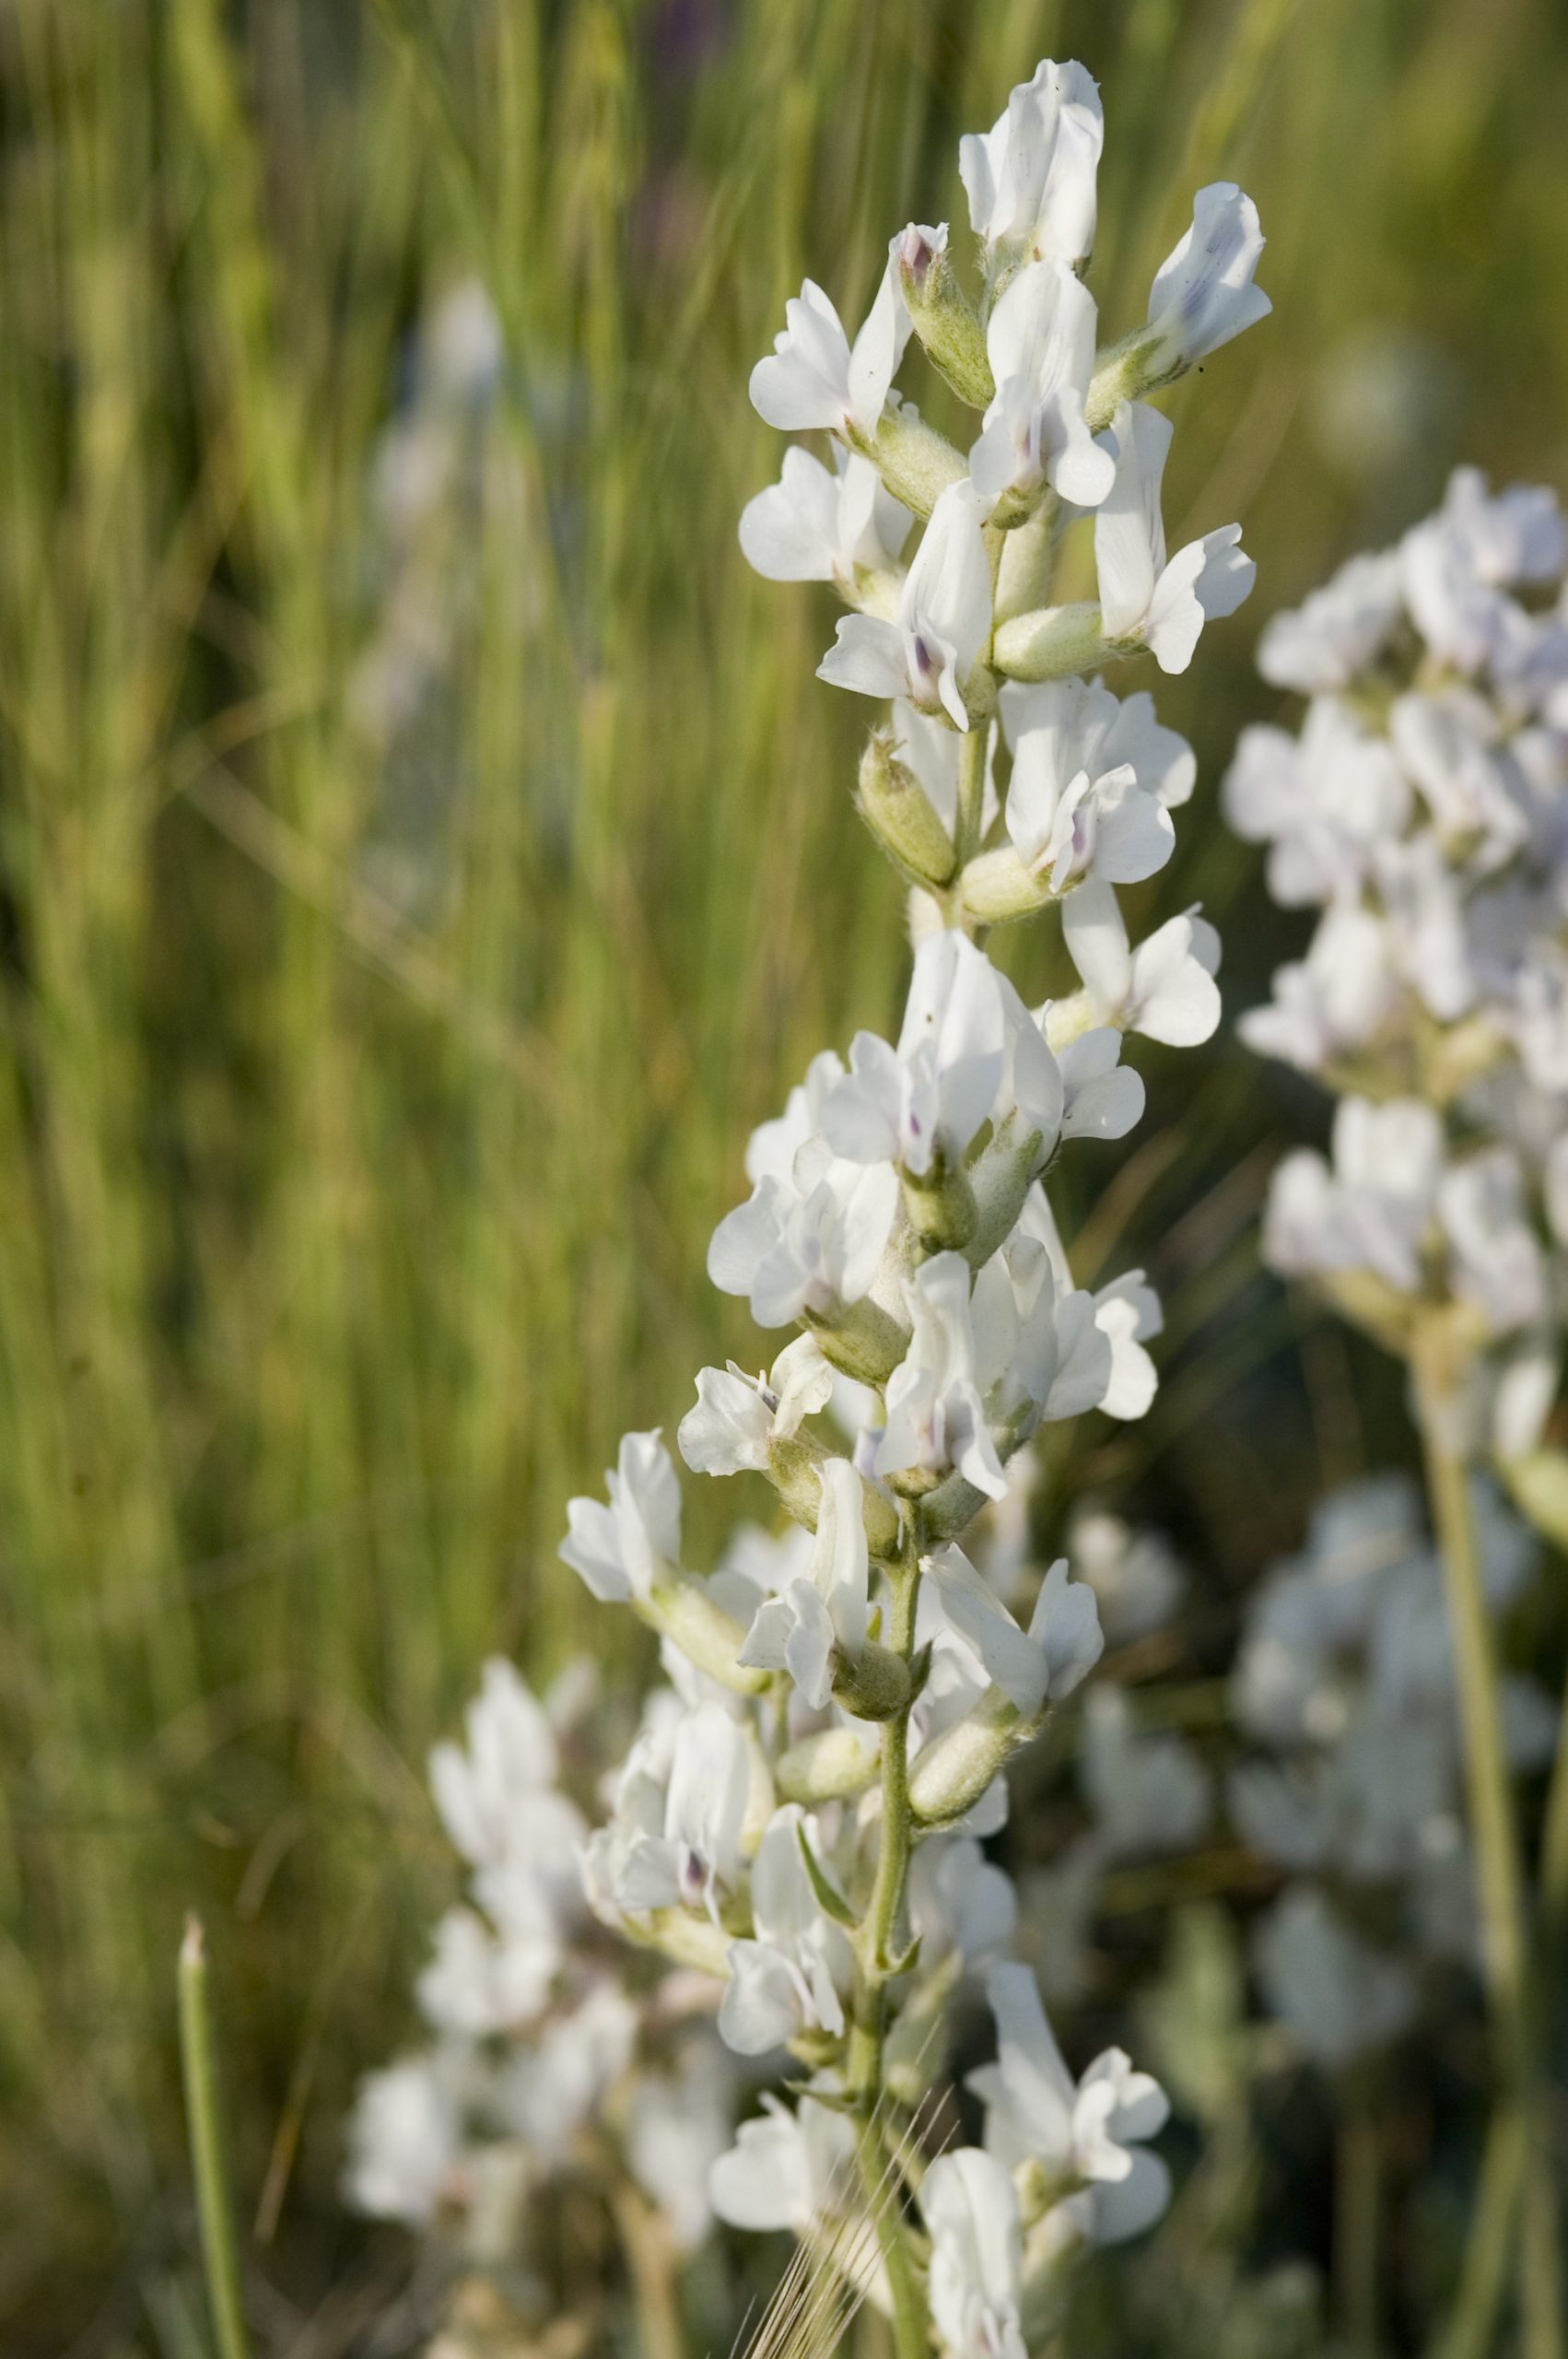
[[996, 886], [956, 1767], [943, 316], [916, 463], [864, 1341], [833, 1765], [894, 806], [794, 1468], [705, 1634], [873, 1685], [941, 1204], [1052, 643]]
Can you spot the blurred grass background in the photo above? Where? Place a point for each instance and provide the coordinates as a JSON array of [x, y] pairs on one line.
[[424, 851]]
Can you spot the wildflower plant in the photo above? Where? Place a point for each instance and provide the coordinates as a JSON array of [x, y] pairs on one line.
[[800, 1818], [1422, 808]]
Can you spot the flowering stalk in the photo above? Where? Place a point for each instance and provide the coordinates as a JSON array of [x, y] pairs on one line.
[[1421, 809], [798, 1821]]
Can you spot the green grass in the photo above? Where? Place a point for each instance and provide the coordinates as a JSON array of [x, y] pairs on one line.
[[343, 1229]]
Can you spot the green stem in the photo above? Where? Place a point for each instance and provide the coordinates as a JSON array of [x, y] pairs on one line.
[[1358, 2173], [875, 1955], [1494, 1834], [214, 2212], [1554, 1858], [1471, 2328]]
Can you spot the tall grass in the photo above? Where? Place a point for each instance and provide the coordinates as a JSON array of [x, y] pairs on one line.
[[349, 1209]]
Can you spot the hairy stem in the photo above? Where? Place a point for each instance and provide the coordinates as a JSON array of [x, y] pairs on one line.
[[876, 1949], [1490, 1807]]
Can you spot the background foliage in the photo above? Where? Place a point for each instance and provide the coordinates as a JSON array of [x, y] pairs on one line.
[[375, 1072]]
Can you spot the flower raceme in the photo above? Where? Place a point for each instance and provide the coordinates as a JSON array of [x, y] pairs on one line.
[[799, 1817]]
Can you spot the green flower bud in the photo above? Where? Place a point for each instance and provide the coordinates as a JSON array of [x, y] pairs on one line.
[[996, 886], [864, 1341], [942, 314], [873, 1684], [955, 1769], [894, 806], [704, 1632], [941, 1204], [1053, 642], [794, 1470], [917, 463], [833, 1765]]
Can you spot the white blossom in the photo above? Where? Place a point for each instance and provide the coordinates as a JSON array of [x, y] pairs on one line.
[[813, 1242], [1071, 810], [406, 2147], [814, 377], [1203, 292], [1090, 2134], [785, 2169], [823, 1612], [1032, 1667], [1164, 988], [1142, 599], [976, 2264], [680, 1814], [1339, 631], [1030, 180], [925, 1099], [816, 526], [1040, 342], [944, 620], [621, 1549], [739, 1419], [789, 1976]]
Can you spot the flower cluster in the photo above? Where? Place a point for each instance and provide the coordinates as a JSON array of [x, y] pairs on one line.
[[1423, 809], [1344, 1685], [548, 2060], [802, 1812]]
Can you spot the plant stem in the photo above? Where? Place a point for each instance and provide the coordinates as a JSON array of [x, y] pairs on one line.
[[650, 2264], [1357, 2171], [969, 826], [203, 2119], [1472, 2323], [1490, 1807], [874, 1957]]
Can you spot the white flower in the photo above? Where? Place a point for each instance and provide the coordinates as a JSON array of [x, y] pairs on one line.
[[1091, 2132], [1143, 599], [1032, 1667], [406, 2151], [1339, 631], [680, 1813], [1161, 758], [814, 378], [498, 1799], [1071, 812], [677, 2127], [1102, 1098], [773, 1145], [547, 2091], [936, 1413], [1426, 927], [1203, 293], [813, 1242], [925, 1100], [787, 1979], [1148, 1792], [1135, 1575], [944, 619], [478, 1982], [621, 1550], [785, 2170], [1164, 988], [976, 2264], [823, 1612], [1448, 742], [1030, 180], [1129, 1314], [1495, 1261], [1323, 802], [1369, 1211], [816, 526], [739, 1419], [958, 1900], [1342, 1998], [1332, 1001], [1040, 341]]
